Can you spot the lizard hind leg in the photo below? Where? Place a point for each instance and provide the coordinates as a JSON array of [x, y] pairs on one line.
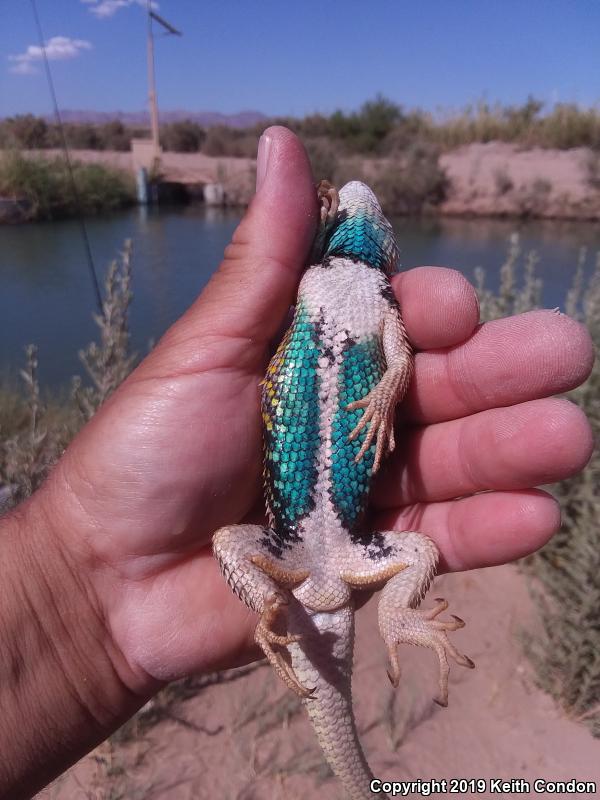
[[258, 569], [402, 622]]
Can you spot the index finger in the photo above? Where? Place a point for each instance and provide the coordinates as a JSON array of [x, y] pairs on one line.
[[464, 367], [439, 306]]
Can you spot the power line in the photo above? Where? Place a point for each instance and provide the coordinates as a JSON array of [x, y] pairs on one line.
[[80, 217]]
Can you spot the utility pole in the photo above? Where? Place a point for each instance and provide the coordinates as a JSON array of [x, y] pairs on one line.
[[152, 87], [152, 15]]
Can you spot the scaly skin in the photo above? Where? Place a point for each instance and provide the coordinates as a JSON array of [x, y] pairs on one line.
[[328, 405]]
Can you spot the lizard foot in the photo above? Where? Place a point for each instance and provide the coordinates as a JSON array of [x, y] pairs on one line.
[[329, 201], [421, 627], [266, 637], [379, 407]]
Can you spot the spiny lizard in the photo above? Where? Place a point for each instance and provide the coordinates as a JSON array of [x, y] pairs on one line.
[[328, 402]]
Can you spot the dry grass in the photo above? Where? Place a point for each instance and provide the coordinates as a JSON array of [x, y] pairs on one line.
[[567, 590], [108, 362], [565, 575]]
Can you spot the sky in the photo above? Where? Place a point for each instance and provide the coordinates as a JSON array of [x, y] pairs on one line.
[[286, 57]]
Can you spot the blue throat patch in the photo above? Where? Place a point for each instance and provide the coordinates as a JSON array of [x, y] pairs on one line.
[[361, 238]]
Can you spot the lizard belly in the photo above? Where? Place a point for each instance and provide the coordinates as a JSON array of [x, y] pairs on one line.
[[349, 300]]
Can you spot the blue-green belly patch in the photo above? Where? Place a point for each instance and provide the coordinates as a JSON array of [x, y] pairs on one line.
[[361, 370], [290, 407]]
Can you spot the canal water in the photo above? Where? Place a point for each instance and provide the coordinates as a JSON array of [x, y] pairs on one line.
[[46, 296]]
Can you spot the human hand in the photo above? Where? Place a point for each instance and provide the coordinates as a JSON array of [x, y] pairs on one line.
[[176, 451]]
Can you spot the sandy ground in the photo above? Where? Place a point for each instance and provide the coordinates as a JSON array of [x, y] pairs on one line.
[[493, 179], [248, 739]]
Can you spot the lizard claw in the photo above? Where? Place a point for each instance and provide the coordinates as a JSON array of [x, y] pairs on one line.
[[265, 637], [423, 628]]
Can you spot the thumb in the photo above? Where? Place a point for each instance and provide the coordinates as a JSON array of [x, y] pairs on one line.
[[246, 300]]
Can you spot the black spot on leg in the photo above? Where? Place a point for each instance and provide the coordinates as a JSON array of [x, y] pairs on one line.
[[374, 545], [387, 292], [278, 541]]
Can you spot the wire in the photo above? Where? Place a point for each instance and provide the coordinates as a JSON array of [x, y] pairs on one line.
[[80, 217]]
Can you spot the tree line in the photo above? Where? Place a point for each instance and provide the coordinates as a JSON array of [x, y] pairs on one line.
[[379, 127]]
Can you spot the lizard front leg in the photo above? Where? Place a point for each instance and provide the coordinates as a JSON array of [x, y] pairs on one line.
[[380, 403], [255, 566]]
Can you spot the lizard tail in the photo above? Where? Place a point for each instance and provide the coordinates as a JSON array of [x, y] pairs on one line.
[[322, 661]]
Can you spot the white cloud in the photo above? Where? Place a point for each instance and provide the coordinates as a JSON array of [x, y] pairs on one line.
[[107, 8], [58, 48], [23, 68]]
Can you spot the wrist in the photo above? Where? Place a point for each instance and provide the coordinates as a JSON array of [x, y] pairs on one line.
[[62, 682]]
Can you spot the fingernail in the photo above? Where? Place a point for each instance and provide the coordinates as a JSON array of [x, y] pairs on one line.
[[262, 159]]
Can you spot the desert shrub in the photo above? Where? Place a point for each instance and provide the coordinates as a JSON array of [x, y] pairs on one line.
[[564, 576], [502, 181], [33, 434], [520, 121], [379, 127], [224, 141], [24, 131], [533, 199], [182, 137], [115, 136], [413, 183], [324, 159], [79, 137], [45, 185], [109, 361], [102, 189], [376, 120], [410, 128], [592, 171], [568, 126], [311, 126], [567, 658], [364, 131]]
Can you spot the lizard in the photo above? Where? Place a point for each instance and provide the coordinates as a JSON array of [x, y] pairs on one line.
[[328, 402]]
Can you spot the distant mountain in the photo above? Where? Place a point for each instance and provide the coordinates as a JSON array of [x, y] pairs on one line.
[[208, 119]]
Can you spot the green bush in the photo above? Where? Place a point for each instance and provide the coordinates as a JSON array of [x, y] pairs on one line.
[[45, 185]]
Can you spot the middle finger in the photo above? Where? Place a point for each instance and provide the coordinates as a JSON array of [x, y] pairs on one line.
[[526, 445], [505, 361]]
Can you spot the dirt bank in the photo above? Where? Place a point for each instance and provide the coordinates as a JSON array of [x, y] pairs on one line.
[[498, 179]]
